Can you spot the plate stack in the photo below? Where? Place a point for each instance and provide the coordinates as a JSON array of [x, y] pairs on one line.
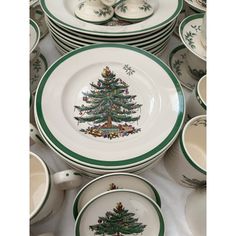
[[68, 32], [115, 113]]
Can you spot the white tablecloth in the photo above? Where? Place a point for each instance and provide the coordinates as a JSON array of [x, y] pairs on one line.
[[173, 196]]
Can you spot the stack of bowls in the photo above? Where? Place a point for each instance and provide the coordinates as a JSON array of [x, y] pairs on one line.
[[120, 113], [152, 34], [118, 203]]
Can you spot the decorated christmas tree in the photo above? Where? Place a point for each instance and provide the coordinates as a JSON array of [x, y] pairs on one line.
[[120, 222], [109, 107]]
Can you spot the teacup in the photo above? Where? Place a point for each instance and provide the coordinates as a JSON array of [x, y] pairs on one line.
[[196, 67], [197, 101], [186, 159], [46, 189]]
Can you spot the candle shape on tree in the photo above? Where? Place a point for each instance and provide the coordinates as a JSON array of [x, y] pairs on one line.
[[120, 222], [110, 108]]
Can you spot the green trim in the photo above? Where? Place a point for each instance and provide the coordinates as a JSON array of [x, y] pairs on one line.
[[188, 158], [77, 198], [47, 195], [58, 21], [94, 22], [156, 207], [154, 151], [133, 20], [200, 101], [181, 27], [36, 28]]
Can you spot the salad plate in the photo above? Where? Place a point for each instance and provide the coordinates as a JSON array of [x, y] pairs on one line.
[[34, 35], [111, 182], [177, 62], [190, 34], [198, 5], [37, 69], [86, 133], [120, 212], [62, 12]]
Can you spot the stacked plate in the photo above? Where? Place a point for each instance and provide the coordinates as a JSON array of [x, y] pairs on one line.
[[68, 32], [115, 113]]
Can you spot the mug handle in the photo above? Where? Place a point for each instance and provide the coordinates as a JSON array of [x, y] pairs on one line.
[[35, 135], [67, 179]]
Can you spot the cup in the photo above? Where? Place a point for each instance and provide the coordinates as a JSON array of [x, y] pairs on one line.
[[196, 104], [203, 32], [186, 159], [195, 66], [46, 188]]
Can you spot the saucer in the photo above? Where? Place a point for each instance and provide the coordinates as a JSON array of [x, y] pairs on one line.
[[190, 34], [177, 61], [37, 69], [196, 5], [133, 11], [34, 35]]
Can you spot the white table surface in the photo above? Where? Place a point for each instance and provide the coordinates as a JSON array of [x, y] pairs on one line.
[[173, 196]]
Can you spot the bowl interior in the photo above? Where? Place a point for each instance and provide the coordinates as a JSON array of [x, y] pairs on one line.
[[202, 89]]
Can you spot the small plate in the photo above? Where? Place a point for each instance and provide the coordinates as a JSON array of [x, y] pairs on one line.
[[37, 69], [111, 182], [120, 212], [177, 62], [34, 35], [196, 5], [190, 32]]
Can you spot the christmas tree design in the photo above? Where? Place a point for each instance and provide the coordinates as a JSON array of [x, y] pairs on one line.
[[120, 222], [109, 107]]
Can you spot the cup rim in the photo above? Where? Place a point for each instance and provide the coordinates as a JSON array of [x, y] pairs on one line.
[[199, 94], [184, 149], [47, 187]]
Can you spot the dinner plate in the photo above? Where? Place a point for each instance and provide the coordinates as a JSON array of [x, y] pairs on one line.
[[190, 33], [144, 45], [94, 38], [74, 39], [158, 114], [196, 5], [62, 12], [34, 35], [120, 211]]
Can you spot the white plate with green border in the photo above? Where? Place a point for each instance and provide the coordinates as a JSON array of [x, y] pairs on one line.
[[111, 182], [120, 212], [62, 12], [110, 138], [196, 5], [34, 35], [190, 33]]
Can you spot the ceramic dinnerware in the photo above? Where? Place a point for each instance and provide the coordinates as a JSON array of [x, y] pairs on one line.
[[46, 193], [99, 138], [197, 5], [120, 211], [177, 62], [190, 34], [186, 159], [111, 182], [196, 104], [62, 12], [34, 35]]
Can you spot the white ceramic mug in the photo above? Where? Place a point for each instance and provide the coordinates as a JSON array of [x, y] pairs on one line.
[[46, 189], [185, 161], [196, 67], [196, 104]]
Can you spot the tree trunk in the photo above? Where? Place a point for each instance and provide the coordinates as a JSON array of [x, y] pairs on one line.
[[109, 122]]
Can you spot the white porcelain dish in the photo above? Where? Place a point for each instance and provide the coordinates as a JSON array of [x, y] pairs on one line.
[[62, 12], [121, 151], [196, 5], [190, 34], [130, 212]]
